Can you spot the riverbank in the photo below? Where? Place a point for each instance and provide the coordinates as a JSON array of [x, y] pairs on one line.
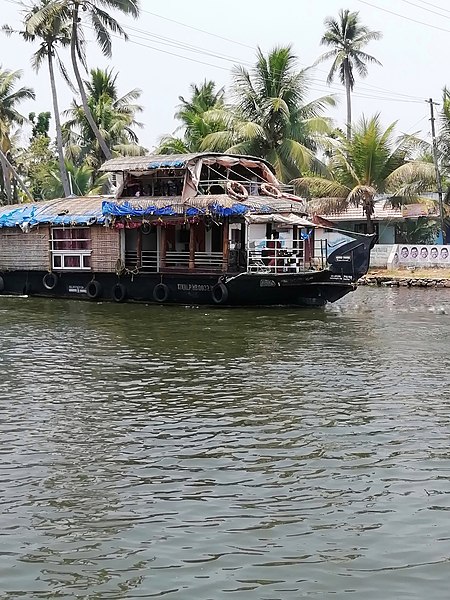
[[439, 278]]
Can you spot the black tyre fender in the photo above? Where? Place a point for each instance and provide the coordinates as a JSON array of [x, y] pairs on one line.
[[2, 284], [93, 289], [219, 293], [50, 280], [161, 293], [119, 292]]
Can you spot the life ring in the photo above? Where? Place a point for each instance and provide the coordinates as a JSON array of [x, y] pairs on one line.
[[50, 280], [119, 292], [93, 289], [236, 190], [161, 293], [2, 284], [270, 190], [219, 293]]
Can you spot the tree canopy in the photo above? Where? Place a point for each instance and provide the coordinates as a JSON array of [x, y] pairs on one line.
[[270, 116]]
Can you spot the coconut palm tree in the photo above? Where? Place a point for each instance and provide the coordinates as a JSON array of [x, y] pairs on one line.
[[114, 116], [372, 162], [193, 114], [51, 33], [347, 37], [102, 23], [269, 116], [10, 98], [83, 180]]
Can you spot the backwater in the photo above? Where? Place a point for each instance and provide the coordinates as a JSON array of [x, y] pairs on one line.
[[201, 453]]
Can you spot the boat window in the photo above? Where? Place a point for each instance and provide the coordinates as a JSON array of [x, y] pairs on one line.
[[166, 182], [70, 248]]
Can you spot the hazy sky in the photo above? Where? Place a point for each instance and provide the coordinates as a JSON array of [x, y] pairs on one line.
[[413, 52]]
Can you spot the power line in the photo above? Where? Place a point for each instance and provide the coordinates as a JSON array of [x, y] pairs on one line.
[[198, 29], [425, 9], [391, 12], [165, 51], [182, 45], [434, 6], [368, 91], [195, 49]]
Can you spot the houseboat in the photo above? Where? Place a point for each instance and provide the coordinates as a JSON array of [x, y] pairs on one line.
[[201, 229]]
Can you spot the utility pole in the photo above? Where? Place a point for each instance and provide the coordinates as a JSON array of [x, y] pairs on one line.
[[436, 167]]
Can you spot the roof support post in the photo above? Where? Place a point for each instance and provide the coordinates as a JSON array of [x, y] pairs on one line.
[[225, 244], [139, 249], [191, 246], [162, 247]]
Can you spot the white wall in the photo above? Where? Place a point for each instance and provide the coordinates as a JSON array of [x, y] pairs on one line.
[[419, 255]]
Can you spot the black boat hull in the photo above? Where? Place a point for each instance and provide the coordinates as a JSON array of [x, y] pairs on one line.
[[314, 288]]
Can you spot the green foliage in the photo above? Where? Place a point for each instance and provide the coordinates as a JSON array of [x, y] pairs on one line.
[[84, 181], [41, 123], [34, 164], [420, 231], [114, 116], [372, 162], [270, 118], [347, 36], [197, 119], [10, 98]]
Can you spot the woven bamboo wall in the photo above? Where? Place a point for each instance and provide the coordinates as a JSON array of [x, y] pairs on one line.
[[19, 250], [105, 244]]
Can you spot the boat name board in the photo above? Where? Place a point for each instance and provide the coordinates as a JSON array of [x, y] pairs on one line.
[[194, 287], [76, 289], [267, 283], [341, 277], [343, 258]]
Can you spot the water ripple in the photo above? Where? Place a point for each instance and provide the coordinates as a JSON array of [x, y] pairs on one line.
[[154, 452]]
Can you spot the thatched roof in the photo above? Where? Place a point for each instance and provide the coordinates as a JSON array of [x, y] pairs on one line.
[[166, 161], [83, 210], [88, 210]]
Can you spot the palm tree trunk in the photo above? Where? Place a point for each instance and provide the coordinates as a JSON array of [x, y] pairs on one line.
[[368, 209], [73, 46], [59, 142], [5, 161], [349, 102], [6, 179]]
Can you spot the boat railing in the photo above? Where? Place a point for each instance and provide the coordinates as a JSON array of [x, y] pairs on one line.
[[219, 186], [153, 261], [148, 260], [320, 253], [201, 260], [276, 256], [210, 260]]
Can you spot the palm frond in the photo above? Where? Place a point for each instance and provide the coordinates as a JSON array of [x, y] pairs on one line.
[[320, 187]]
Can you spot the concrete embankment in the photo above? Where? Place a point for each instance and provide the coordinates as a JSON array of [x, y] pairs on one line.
[[435, 278]]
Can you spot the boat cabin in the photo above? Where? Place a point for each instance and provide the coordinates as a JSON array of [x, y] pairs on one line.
[[208, 212]]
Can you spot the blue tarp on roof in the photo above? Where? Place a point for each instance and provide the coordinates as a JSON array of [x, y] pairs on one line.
[[18, 216], [76, 211], [160, 164], [128, 210]]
